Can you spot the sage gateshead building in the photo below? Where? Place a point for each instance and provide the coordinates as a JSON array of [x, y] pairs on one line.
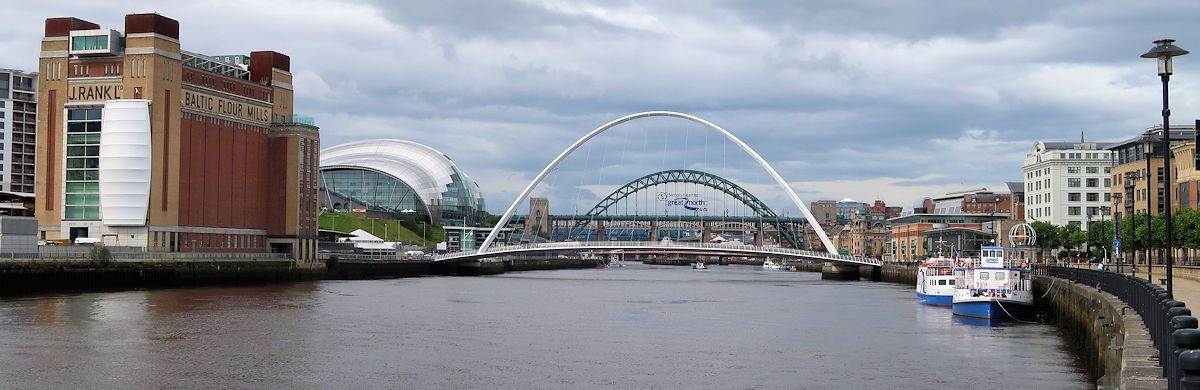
[[397, 177]]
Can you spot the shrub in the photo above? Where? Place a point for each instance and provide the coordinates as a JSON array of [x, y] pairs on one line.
[[100, 255]]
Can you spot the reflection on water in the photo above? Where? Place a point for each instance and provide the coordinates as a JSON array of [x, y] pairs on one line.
[[640, 326]]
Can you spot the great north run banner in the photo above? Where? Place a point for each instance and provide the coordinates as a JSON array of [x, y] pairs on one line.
[[686, 202]]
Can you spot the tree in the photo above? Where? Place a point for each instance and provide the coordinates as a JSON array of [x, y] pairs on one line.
[[1133, 234], [1071, 237], [1047, 236], [1100, 235], [1187, 231]]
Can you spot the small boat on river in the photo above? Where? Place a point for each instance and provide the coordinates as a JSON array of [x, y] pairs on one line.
[[771, 264], [699, 266]]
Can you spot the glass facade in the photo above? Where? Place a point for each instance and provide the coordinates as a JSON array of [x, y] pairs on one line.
[[399, 176], [372, 190], [93, 42], [83, 160]]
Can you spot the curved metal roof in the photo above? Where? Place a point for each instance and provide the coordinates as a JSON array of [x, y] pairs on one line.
[[426, 170]]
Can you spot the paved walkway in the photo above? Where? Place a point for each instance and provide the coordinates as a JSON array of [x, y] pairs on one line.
[[1186, 289]]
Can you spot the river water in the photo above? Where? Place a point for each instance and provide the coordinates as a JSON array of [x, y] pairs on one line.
[[640, 326]]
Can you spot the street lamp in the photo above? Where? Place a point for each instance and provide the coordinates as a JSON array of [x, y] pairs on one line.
[[1117, 227], [1164, 50]]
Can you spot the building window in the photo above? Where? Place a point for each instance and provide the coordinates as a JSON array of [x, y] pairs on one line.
[[94, 42], [1072, 196], [1107, 182], [83, 159], [1074, 210], [1093, 197], [1093, 169], [1072, 169], [1107, 197], [1073, 182], [1093, 182]]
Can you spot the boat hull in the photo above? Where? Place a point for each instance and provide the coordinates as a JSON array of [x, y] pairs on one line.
[[938, 300], [992, 310]]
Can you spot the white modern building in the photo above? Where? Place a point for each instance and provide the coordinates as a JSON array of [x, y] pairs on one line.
[[18, 119], [399, 177], [1067, 182]]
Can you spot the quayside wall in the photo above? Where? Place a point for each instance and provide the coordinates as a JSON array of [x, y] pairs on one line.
[[1109, 337], [382, 269], [39, 276]]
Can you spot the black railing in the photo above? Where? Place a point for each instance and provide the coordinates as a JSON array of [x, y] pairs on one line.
[[1170, 324]]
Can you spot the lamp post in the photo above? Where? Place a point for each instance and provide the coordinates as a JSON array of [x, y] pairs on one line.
[[1087, 244], [1148, 151], [1164, 50], [1104, 212], [1117, 256]]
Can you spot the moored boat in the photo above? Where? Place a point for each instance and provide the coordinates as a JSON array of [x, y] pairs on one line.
[[935, 281], [771, 264], [992, 287], [699, 265]]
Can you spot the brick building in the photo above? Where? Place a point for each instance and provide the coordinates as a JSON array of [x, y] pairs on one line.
[[141, 143]]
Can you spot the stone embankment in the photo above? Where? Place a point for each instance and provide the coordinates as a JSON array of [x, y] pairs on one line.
[[1110, 337], [60, 275]]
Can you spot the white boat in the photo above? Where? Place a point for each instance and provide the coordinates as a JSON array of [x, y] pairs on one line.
[[699, 265], [772, 265], [935, 281], [616, 260], [992, 287]]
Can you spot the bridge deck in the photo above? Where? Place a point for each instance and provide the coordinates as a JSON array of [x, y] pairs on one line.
[[655, 246]]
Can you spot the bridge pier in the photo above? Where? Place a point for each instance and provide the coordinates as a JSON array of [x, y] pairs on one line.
[[839, 271], [871, 272]]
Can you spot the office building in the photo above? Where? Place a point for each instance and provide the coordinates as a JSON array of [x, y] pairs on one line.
[[18, 122], [1142, 189], [1067, 182]]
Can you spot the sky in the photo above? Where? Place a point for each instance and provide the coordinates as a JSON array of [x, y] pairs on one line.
[[861, 99]]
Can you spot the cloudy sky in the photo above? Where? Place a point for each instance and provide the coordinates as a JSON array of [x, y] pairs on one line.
[[862, 99]]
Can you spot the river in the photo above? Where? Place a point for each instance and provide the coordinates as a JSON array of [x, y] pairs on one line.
[[640, 326]]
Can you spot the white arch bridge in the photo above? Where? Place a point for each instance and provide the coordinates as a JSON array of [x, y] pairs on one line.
[[660, 247], [486, 250]]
